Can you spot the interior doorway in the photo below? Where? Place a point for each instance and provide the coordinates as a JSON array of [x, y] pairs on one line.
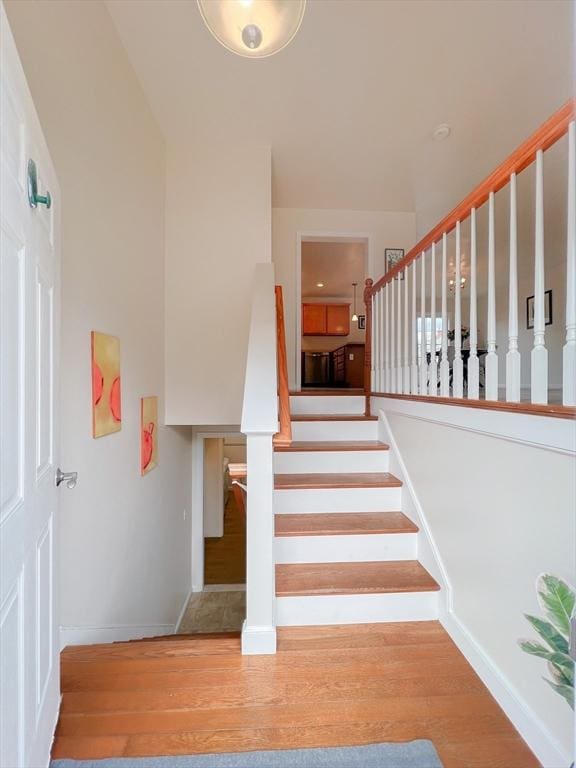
[[332, 324]]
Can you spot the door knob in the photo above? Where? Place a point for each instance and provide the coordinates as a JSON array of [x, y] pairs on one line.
[[33, 197], [70, 478]]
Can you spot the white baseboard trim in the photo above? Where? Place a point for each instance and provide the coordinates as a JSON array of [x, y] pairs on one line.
[[258, 640], [536, 735], [183, 610], [93, 635]]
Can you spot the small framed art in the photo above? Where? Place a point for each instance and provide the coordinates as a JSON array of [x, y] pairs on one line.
[[547, 310]]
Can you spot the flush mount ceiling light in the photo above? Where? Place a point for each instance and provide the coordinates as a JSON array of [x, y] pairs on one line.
[[253, 28], [319, 285]]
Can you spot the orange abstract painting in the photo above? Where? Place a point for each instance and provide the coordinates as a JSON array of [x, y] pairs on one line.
[[148, 434], [106, 390]]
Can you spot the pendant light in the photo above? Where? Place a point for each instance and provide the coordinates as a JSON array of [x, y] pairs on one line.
[[354, 316], [253, 28]]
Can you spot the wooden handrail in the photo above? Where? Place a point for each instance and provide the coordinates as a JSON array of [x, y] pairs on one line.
[[547, 135], [284, 436]]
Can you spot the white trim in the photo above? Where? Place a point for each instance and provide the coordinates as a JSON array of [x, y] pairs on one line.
[[545, 432], [225, 588], [114, 634], [402, 473], [529, 726], [183, 610], [258, 640], [328, 236]]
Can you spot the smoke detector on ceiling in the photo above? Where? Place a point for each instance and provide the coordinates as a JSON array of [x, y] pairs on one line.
[[441, 132]]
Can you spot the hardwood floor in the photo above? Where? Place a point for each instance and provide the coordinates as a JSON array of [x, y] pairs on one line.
[[326, 686], [225, 557]]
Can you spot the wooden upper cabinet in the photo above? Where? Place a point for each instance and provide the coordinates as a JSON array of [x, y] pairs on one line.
[[337, 319], [314, 319], [325, 319]]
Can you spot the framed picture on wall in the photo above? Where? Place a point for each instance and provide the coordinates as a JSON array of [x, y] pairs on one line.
[[391, 257], [547, 310], [361, 322]]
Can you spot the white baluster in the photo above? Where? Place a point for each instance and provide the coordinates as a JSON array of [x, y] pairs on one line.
[[458, 365], [387, 340], [399, 337], [433, 366], [392, 337], [380, 372], [444, 364], [539, 357], [491, 365], [423, 361], [406, 370], [473, 362], [375, 346], [513, 355], [569, 352], [414, 335]]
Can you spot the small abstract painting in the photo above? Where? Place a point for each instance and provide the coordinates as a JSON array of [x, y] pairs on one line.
[[106, 391], [148, 434]]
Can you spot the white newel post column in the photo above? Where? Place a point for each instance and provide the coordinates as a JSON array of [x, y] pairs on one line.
[[569, 352], [259, 629]]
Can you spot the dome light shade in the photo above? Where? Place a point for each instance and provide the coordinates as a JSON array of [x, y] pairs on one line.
[[253, 28]]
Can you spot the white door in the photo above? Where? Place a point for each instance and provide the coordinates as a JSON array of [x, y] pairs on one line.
[[29, 333]]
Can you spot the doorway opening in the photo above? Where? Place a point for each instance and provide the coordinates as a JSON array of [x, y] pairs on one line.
[[217, 603], [332, 331]]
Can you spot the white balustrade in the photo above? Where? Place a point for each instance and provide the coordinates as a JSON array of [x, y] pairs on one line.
[[473, 362], [414, 334], [406, 367], [433, 366], [392, 337], [569, 351], [491, 365], [444, 363], [423, 364], [458, 365], [399, 360], [539, 357], [513, 355], [376, 346]]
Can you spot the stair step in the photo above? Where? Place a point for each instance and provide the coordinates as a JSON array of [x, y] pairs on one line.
[[343, 524], [301, 579], [320, 480], [332, 445], [332, 417]]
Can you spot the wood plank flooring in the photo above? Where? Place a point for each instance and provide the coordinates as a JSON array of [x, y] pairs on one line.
[[353, 578], [336, 480], [342, 524], [327, 686], [225, 557], [333, 445]]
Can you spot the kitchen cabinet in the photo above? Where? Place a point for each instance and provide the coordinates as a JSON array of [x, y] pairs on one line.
[[325, 319], [347, 366]]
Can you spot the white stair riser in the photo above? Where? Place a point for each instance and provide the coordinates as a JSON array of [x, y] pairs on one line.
[[356, 609], [316, 404], [334, 430], [338, 500], [342, 549], [296, 462]]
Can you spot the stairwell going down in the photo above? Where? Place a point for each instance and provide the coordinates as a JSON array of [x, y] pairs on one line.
[[344, 550]]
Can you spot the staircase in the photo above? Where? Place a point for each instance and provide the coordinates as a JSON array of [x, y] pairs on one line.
[[344, 550]]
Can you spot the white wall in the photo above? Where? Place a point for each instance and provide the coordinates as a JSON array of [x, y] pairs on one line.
[[217, 229], [384, 229], [501, 513], [125, 548]]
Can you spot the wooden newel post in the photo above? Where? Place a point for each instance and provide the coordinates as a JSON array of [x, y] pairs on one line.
[[368, 344]]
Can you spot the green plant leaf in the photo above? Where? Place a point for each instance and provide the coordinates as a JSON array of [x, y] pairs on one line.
[[561, 674], [549, 634], [557, 601], [535, 649], [566, 691]]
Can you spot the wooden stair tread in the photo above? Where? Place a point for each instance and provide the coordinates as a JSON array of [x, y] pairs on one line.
[[333, 445], [336, 480], [394, 576], [332, 417], [343, 524]]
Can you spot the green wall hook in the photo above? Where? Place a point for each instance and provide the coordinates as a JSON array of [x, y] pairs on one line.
[[33, 197]]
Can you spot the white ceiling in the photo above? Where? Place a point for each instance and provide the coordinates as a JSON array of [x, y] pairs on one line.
[[348, 107], [337, 265]]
